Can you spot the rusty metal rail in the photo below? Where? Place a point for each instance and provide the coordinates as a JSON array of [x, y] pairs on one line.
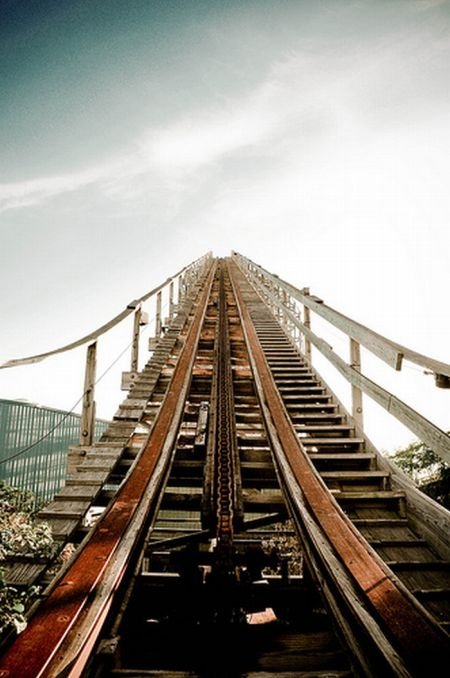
[[67, 623], [400, 617]]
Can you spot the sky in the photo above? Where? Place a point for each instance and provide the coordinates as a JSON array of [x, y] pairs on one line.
[[313, 137]]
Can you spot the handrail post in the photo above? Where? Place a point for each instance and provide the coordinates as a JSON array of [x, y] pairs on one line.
[[158, 323], [135, 345], [171, 304], [307, 324], [357, 402], [180, 290], [87, 422]]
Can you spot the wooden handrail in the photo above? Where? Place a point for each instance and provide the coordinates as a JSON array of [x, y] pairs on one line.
[[132, 306], [429, 433], [387, 350]]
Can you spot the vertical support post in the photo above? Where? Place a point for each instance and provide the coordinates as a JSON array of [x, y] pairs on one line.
[[171, 304], [285, 302], [180, 290], [158, 323], [135, 345], [355, 362], [87, 422], [307, 323]]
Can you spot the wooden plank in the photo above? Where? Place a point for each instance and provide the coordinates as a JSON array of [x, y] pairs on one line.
[[382, 495], [87, 478], [62, 528], [22, 573], [380, 522], [353, 475], [307, 441], [98, 464], [64, 509], [322, 427], [419, 564], [351, 456], [79, 492]]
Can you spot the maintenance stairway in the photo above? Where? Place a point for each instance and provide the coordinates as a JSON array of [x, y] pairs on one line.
[[248, 526]]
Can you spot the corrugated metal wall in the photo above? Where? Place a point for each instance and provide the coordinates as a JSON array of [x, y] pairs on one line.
[[33, 446]]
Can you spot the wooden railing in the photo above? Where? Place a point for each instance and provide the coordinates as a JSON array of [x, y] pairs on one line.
[[184, 278], [293, 307]]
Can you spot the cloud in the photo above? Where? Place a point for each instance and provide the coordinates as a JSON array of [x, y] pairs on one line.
[[310, 98], [31, 192]]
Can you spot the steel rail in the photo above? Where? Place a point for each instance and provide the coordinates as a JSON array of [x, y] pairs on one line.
[[401, 617], [64, 628]]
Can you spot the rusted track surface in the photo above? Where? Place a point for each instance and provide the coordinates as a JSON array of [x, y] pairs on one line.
[[71, 616], [390, 605]]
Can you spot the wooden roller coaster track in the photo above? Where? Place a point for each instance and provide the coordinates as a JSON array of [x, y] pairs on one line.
[[248, 526]]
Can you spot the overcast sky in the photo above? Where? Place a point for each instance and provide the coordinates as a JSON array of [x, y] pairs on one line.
[[313, 137]]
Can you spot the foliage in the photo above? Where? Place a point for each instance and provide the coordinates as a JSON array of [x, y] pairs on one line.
[[15, 499], [13, 604], [20, 536], [286, 548], [426, 469]]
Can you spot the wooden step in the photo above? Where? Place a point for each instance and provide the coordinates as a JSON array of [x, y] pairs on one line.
[[431, 593], [64, 509], [341, 456], [87, 478], [79, 492], [300, 390], [380, 522], [315, 417], [375, 495], [322, 428], [256, 500], [62, 528], [312, 406], [306, 397], [292, 369], [19, 572], [418, 564], [354, 475], [317, 442]]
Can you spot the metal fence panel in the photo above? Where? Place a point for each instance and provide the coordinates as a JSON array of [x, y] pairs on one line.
[[33, 446]]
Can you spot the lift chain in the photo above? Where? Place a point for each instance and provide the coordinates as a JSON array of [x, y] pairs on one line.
[[225, 435]]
